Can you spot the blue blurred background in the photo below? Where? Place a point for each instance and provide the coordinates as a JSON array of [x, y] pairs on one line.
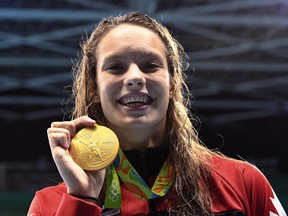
[[238, 74]]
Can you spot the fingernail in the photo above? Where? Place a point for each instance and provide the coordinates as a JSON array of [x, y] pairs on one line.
[[67, 144]]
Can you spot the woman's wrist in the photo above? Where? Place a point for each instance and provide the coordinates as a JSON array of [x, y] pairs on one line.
[[86, 198]]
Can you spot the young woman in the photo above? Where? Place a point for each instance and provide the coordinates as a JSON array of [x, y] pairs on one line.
[[130, 78]]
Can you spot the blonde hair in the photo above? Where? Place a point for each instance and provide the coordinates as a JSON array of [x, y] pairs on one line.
[[188, 156]]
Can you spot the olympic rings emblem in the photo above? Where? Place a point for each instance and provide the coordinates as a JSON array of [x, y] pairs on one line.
[[114, 191]]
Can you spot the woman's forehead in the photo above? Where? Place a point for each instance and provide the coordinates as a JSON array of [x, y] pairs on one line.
[[130, 38]]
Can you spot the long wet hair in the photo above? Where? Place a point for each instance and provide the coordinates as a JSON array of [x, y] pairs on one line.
[[189, 157]]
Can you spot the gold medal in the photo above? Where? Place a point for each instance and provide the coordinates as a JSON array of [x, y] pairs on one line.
[[94, 148]]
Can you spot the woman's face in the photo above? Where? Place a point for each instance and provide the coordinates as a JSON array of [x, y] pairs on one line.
[[133, 78]]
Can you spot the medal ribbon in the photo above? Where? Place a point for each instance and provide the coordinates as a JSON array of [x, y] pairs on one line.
[[113, 191], [134, 182]]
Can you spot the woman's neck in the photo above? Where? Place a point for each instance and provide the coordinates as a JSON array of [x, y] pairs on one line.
[[148, 162], [141, 139]]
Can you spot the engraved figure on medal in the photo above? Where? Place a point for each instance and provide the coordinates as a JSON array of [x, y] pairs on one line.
[[94, 148]]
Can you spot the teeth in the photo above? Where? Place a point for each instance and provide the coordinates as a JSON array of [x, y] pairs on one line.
[[134, 104], [135, 100]]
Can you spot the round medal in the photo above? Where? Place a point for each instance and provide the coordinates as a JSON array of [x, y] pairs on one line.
[[94, 148]]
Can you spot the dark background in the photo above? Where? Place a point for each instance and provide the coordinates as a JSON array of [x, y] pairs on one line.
[[238, 75]]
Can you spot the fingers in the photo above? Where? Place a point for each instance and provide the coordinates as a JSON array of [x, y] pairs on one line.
[[75, 125], [59, 136], [60, 133]]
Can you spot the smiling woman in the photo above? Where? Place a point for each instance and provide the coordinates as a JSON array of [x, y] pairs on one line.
[[133, 83], [130, 78]]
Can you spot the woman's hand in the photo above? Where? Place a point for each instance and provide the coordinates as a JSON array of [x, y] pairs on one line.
[[78, 181]]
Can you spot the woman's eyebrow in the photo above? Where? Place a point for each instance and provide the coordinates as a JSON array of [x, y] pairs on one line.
[[133, 54], [113, 57]]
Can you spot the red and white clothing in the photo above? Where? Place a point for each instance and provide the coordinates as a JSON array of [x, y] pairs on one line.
[[238, 189]]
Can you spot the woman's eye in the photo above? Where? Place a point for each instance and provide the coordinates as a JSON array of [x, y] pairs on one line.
[[151, 67], [115, 68]]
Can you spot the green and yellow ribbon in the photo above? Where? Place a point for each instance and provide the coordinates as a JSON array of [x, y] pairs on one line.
[[133, 181]]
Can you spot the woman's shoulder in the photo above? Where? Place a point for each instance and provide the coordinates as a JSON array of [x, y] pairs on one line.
[[238, 176], [235, 169], [243, 186]]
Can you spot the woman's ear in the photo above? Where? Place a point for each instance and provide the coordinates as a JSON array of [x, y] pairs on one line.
[[170, 92], [171, 87], [96, 92]]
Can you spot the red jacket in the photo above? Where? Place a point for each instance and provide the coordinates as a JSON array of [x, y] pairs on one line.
[[238, 189]]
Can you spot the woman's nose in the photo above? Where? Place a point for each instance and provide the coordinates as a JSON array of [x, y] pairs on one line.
[[135, 78]]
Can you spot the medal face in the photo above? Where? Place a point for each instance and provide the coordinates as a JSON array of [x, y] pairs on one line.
[[94, 148]]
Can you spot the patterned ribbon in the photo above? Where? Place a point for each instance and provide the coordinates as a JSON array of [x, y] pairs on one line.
[[134, 182]]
